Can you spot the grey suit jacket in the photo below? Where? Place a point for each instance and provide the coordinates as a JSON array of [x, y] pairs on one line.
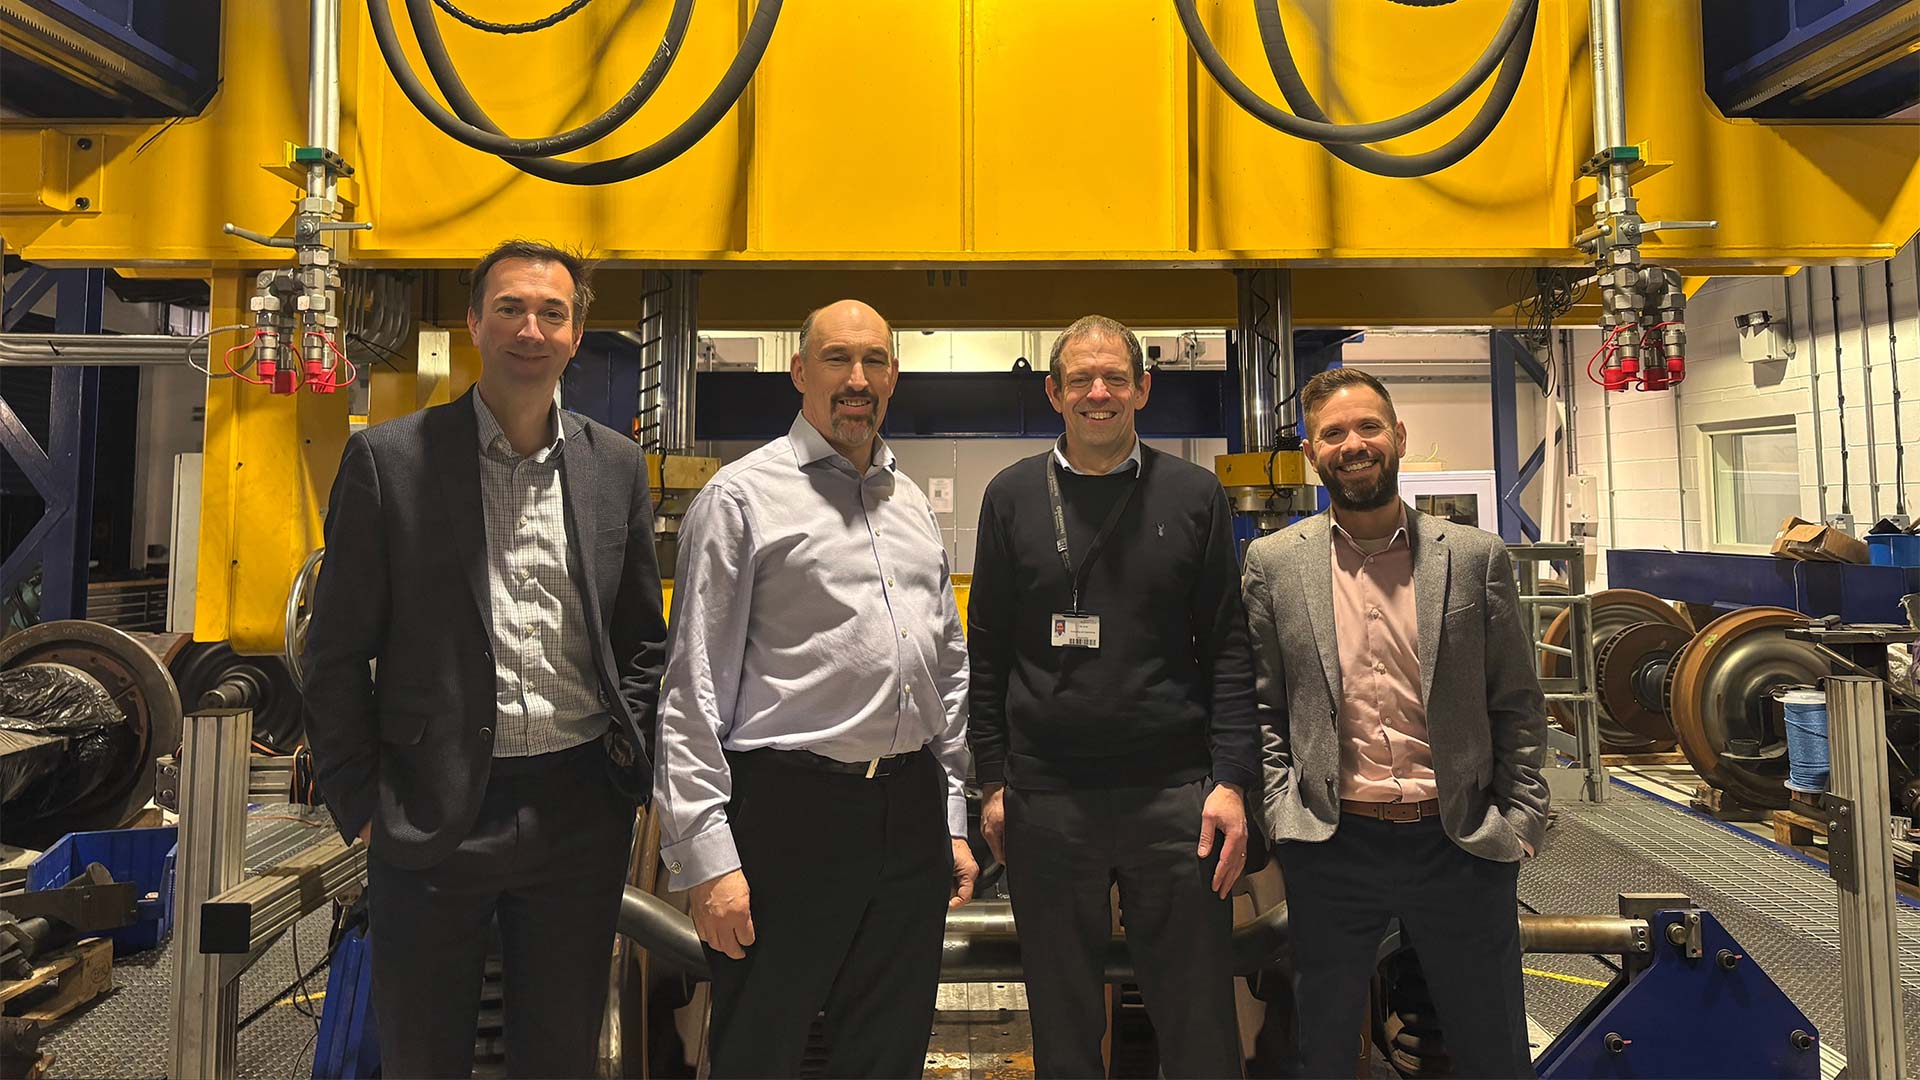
[[1486, 718]]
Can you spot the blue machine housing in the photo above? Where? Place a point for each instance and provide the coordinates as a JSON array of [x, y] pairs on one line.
[[1858, 594], [1716, 1014]]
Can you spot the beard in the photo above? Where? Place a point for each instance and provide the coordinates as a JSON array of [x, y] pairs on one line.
[[1369, 494], [856, 429]]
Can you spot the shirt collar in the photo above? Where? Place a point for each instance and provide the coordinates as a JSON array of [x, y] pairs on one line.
[[1060, 455], [1402, 533], [810, 446], [494, 439]]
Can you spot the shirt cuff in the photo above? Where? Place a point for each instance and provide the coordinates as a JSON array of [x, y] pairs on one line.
[[700, 858], [957, 817]]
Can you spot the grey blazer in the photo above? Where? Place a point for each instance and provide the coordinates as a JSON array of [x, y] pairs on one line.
[[1486, 718]]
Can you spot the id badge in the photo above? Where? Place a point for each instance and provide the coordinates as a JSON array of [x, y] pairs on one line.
[[1075, 631]]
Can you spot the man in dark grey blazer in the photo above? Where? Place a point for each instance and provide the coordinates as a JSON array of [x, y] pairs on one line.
[[1405, 731], [484, 655]]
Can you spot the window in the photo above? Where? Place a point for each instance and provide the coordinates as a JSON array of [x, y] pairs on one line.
[[1754, 479]]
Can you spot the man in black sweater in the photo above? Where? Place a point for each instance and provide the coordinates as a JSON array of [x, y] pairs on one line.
[[1112, 718]]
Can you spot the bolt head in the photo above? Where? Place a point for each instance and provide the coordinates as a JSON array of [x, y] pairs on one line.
[[84, 143]]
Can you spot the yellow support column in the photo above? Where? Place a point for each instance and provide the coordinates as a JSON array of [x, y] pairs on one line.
[[268, 466]]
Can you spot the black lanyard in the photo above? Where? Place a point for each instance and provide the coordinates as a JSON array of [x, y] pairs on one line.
[[1099, 538]]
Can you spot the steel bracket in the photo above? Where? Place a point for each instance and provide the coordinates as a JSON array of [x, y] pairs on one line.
[[1841, 818]]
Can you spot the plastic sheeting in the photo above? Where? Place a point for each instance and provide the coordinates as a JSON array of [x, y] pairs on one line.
[[62, 702]]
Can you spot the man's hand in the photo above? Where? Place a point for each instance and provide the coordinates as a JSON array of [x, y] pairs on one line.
[[965, 873], [1225, 812], [993, 821], [721, 914], [366, 833]]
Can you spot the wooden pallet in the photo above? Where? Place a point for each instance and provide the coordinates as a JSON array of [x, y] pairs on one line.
[[1799, 831], [79, 973], [1613, 761]]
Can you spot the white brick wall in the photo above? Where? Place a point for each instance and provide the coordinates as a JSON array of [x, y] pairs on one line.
[[1643, 472]]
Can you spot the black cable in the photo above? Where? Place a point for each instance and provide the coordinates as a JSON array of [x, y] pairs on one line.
[[1839, 391], [1513, 65], [1893, 373], [493, 140], [554, 19], [1379, 131], [676, 142]]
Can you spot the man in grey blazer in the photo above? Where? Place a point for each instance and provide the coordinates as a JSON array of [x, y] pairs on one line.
[[1404, 734]]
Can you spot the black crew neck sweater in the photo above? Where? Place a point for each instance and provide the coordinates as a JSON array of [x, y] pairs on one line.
[[1167, 698]]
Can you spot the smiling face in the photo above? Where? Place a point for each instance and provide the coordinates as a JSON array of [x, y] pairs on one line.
[[525, 328], [1355, 444], [845, 373], [1097, 394]]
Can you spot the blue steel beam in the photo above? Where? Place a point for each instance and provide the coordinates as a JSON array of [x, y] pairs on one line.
[[73, 417], [1509, 477], [27, 290]]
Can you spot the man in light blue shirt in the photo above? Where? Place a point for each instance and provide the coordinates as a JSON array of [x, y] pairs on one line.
[[813, 729]]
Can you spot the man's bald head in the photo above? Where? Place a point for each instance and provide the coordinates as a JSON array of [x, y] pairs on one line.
[[845, 371], [841, 315]]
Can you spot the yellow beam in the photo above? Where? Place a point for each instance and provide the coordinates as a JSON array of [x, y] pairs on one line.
[[978, 132], [268, 465]]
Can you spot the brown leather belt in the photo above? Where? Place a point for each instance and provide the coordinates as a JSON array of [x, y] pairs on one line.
[[1392, 811]]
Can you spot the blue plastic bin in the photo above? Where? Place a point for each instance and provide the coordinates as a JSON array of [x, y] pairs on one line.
[[139, 855], [1893, 549]]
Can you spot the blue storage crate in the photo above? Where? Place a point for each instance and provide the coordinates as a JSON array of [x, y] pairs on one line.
[[137, 855], [1894, 549]]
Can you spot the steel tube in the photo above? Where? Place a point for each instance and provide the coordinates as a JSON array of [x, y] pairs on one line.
[[213, 823], [981, 944], [92, 350], [681, 353], [1264, 351], [1866, 392], [323, 90], [1869, 940]]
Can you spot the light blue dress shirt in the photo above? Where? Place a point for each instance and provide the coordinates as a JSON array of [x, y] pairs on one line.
[[812, 610]]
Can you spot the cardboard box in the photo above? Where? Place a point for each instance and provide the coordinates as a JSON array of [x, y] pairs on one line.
[[1803, 540]]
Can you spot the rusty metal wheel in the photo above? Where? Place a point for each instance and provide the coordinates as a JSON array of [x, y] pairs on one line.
[[1721, 705], [1614, 610], [134, 676]]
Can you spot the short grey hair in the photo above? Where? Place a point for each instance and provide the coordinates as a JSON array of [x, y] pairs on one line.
[[1096, 326]]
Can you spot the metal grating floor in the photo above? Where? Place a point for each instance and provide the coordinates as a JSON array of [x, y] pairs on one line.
[[1781, 909], [127, 1032]]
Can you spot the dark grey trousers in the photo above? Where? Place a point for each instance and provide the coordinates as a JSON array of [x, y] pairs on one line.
[[1460, 912], [548, 857], [1065, 851]]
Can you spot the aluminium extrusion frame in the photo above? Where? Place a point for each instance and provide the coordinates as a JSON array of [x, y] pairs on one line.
[[1577, 689]]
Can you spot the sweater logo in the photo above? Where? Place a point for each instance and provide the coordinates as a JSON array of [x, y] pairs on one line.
[[1160, 528]]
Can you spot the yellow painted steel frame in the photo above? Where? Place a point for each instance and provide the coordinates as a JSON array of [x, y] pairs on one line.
[[983, 132], [1008, 137]]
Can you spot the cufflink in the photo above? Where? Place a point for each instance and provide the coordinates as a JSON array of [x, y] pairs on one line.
[[673, 868]]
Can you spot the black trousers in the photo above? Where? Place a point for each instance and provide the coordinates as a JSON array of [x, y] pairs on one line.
[[548, 858], [1460, 912], [849, 880], [1065, 851]]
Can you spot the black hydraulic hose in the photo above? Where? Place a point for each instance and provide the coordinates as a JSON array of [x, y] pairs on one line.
[[733, 83], [1893, 373], [494, 141], [554, 19], [1840, 391], [1378, 131], [1273, 36]]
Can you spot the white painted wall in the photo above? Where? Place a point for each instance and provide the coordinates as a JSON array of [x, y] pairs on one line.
[[1650, 468]]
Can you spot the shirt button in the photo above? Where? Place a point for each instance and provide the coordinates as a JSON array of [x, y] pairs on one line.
[[903, 633], [523, 521], [1374, 614], [486, 734], [1379, 666]]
